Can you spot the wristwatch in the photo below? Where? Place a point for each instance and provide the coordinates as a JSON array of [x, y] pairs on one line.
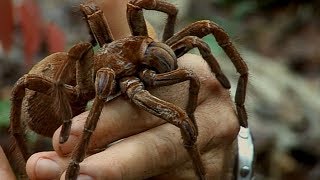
[[245, 156]]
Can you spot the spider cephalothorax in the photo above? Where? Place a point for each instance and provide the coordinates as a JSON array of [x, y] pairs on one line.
[[65, 82]]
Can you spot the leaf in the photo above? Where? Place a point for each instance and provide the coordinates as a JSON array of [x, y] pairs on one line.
[[55, 38], [7, 24], [31, 25]]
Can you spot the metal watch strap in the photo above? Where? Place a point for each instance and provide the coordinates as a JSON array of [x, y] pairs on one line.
[[245, 156]]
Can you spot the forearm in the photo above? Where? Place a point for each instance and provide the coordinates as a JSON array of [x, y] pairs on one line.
[[115, 13]]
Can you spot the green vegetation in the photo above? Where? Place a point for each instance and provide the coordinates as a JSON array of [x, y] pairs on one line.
[[4, 112]]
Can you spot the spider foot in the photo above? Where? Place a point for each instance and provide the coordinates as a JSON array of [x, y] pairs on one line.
[[65, 131], [63, 139]]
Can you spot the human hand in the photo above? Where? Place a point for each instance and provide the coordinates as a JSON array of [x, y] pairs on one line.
[[150, 146], [5, 169]]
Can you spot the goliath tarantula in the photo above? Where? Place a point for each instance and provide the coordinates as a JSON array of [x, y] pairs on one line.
[[66, 82]]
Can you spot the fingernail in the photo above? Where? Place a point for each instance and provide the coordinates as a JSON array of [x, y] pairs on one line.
[[84, 177], [47, 169]]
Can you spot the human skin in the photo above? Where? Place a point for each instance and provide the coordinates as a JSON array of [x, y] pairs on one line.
[[5, 169], [150, 147]]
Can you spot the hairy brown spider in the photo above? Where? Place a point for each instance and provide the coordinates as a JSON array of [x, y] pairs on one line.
[[60, 86]]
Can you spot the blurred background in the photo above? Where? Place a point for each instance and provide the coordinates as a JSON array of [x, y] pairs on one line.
[[280, 41]]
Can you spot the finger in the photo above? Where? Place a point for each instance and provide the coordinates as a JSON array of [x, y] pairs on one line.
[[120, 119], [46, 165], [5, 169], [159, 150]]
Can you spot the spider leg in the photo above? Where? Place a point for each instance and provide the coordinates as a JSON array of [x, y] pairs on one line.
[[96, 22], [151, 79], [134, 89], [56, 88], [189, 42], [60, 93], [82, 54], [136, 20], [205, 27], [17, 129], [31, 82], [104, 84]]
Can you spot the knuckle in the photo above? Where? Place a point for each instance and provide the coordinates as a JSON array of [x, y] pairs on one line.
[[218, 125]]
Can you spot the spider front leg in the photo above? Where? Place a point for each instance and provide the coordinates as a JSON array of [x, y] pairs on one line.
[[104, 84], [82, 54], [136, 20], [203, 28], [151, 79], [31, 82], [134, 89], [49, 105], [189, 42]]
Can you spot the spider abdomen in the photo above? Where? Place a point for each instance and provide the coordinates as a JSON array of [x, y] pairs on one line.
[[40, 110]]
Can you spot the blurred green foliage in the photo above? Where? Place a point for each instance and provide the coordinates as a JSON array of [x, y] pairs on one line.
[[214, 46], [4, 112], [242, 8], [263, 5]]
